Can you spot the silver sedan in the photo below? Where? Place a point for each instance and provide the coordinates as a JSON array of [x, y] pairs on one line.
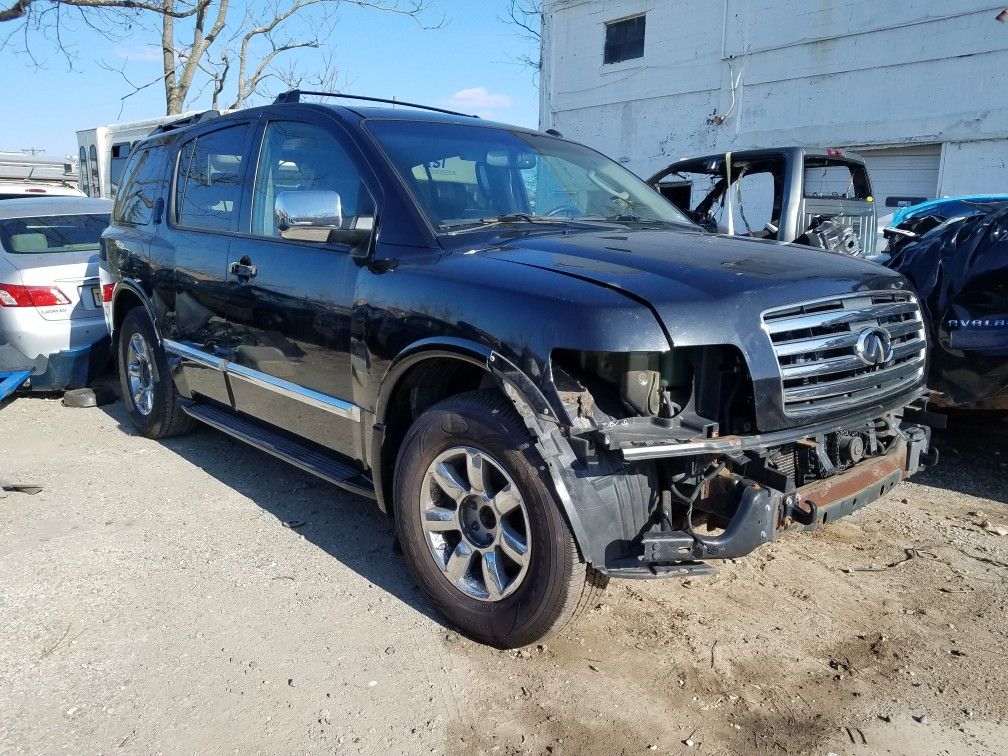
[[51, 315]]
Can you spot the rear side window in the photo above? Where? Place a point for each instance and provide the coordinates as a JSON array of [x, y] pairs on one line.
[[145, 178], [84, 173], [52, 233], [827, 178], [95, 182], [117, 164], [208, 186]]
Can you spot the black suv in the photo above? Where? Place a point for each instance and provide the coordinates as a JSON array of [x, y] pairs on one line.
[[534, 363]]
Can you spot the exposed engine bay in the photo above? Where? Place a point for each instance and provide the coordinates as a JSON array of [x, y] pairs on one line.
[[699, 481]]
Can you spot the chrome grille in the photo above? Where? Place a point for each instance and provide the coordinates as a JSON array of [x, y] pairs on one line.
[[816, 344]]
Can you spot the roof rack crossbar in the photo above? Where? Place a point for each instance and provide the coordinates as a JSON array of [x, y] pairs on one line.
[[295, 96], [181, 123]]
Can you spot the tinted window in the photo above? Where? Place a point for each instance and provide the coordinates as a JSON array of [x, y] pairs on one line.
[[84, 173], [624, 40], [208, 187], [145, 174], [52, 233], [300, 157], [120, 154], [95, 183]]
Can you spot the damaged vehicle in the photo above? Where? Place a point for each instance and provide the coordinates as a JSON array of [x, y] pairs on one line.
[[955, 253], [816, 197], [541, 370]]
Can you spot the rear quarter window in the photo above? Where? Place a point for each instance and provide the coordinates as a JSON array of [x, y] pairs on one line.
[[145, 183], [52, 233]]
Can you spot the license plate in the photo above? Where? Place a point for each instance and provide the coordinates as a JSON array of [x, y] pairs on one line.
[[96, 295]]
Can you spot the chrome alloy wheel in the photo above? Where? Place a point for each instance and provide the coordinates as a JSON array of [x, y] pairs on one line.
[[139, 363], [476, 523]]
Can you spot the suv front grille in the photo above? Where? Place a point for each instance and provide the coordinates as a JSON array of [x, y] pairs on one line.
[[832, 353]]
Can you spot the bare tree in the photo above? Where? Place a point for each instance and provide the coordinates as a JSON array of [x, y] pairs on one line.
[[213, 46], [526, 17]]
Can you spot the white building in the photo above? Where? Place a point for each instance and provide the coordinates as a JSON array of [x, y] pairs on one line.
[[919, 88]]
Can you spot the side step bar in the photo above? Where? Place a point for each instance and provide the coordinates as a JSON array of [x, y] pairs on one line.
[[265, 439]]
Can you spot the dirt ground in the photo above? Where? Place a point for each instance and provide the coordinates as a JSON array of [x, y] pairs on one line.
[[197, 596]]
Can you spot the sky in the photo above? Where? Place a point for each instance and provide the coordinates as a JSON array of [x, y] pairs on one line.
[[470, 63]]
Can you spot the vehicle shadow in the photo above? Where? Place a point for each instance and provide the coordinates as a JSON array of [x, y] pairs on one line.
[[973, 455], [348, 527]]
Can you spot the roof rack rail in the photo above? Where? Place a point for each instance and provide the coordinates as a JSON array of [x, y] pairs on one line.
[[181, 123], [295, 96]]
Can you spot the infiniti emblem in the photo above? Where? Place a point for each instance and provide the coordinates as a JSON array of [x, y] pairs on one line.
[[874, 346]]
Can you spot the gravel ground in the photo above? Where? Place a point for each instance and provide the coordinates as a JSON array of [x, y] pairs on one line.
[[195, 595]]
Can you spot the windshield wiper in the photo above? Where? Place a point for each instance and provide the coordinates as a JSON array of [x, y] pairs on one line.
[[507, 218], [628, 218]]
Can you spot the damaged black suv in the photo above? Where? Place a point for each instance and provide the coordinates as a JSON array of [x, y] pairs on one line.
[[535, 364]]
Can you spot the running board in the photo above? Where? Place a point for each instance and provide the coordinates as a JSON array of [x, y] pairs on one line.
[[265, 439]]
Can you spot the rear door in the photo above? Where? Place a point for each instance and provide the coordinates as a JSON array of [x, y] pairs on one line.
[[206, 206], [289, 301]]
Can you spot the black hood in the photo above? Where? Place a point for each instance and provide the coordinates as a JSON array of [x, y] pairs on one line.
[[700, 285], [705, 289]]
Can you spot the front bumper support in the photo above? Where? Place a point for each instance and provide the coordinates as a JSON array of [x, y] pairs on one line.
[[762, 512]]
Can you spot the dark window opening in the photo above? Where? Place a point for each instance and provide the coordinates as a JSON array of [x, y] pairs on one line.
[[624, 40]]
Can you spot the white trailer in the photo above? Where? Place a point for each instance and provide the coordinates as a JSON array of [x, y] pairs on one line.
[[103, 150]]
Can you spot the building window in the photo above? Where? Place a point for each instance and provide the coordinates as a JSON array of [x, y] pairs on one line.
[[624, 40]]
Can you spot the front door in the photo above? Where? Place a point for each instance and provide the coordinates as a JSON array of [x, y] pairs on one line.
[[205, 213], [289, 301]]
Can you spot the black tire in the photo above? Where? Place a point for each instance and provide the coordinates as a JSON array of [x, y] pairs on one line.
[[166, 417], [557, 585]]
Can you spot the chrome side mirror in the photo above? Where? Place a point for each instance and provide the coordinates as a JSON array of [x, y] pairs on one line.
[[308, 215]]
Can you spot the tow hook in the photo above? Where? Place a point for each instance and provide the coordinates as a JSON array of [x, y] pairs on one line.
[[796, 510]]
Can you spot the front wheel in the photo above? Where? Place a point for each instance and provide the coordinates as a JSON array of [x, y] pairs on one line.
[[480, 528], [147, 385]]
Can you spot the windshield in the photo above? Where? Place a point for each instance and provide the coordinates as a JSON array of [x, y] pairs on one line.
[[52, 233], [470, 176]]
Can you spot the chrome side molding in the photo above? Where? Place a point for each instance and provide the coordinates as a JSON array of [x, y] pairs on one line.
[[331, 404]]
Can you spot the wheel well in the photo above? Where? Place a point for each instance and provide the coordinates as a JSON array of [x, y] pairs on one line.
[[125, 301], [421, 387]]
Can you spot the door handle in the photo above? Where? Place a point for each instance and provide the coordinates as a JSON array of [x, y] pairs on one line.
[[242, 269]]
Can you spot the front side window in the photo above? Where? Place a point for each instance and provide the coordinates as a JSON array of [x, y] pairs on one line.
[[469, 175], [301, 157], [208, 185], [52, 233], [145, 178], [624, 40], [95, 182]]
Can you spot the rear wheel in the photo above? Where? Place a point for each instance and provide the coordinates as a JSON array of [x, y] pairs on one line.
[[480, 528], [147, 385]]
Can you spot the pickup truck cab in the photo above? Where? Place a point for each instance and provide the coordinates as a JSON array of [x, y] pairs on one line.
[[820, 197], [538, 367]]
